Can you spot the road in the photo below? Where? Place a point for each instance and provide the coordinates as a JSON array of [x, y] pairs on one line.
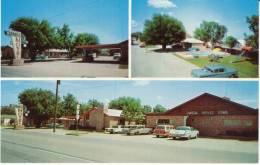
[[65, 68], [148, 63], [29, 146]]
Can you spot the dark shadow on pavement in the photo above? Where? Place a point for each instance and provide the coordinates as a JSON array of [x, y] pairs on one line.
[[98, 62]]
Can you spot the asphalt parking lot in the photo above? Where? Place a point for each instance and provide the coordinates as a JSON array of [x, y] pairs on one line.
[[65, 68], [42, 146]]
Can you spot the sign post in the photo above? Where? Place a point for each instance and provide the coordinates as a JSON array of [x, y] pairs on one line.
[[77, 116], [16, 38], [19, 117]]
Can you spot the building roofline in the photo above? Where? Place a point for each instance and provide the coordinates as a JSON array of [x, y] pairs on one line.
[[208, 94]]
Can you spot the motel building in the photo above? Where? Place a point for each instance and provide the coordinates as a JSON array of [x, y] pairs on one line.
[[211, 115], [98, 118]]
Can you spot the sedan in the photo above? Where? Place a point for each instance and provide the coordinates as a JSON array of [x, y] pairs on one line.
[[184, 132], [215, 71]]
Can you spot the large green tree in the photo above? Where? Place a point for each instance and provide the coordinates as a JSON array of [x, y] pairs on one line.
[[163, 30], [132, 108], [7, 110], [40, 103], [85, 39], [159, 108], [253, 40], [69, 105], [39, 34], [94, 103], [210, 32], [231, 41], [64, 37]]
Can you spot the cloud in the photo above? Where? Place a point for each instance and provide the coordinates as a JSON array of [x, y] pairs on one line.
[[161, 4], [141, 83], [159, 97]]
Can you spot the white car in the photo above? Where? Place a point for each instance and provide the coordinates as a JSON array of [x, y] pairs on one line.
[[184, 132], [115, 129], [139, 130]]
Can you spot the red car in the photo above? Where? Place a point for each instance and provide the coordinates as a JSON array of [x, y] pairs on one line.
[[163, 130]]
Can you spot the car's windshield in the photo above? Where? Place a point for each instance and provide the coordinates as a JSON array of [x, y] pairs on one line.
[[160, 127], [207, 69], [183, 128]]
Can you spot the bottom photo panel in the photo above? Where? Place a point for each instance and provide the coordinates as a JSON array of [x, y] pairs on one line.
[[129, 121]]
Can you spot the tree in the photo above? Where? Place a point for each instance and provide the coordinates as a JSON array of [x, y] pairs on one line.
[[132, 108], [137, 35], [210, 32], [7, 110], [159, 108], [92, 103], [147, 109], [39, 34], [163, 30], [252, 40], [64, 38], [84, 39], [231, 41], [40, 103], [69, 105], [84, 107]]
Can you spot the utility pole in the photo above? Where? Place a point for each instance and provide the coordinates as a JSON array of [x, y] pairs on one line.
[[77, 116], [56, 104]]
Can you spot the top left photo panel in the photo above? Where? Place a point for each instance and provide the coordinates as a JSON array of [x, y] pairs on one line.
[[64, 38]]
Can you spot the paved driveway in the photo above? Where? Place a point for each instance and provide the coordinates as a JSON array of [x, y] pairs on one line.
[[63, 68], [147, 63], [44, 146]]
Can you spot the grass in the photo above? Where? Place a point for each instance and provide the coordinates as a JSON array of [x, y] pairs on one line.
[[8, 116], [245, 68], [123, 66]]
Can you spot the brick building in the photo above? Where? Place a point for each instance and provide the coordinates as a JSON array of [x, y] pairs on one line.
[[101, 118], [211, 115]]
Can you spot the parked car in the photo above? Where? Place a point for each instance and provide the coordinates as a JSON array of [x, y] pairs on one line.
[[184, 132], [142, 45], [193, 49], [57, 125], [139, 130], [116, 56], [40, 57], [215, 71], [162, 130], [115, 129]]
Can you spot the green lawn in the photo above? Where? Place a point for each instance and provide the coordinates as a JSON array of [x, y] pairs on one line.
[[245, 68]]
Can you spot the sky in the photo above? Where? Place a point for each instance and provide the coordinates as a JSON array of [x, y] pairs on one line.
[[108, 19], [167, 93], [231, 13]]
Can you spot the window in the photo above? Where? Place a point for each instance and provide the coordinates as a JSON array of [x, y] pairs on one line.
[[192, 113], [232, 122], [222, 112], [207, 112], [247, 123], [163, 121]]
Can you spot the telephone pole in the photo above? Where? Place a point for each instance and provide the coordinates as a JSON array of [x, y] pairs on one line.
[[56, 104]]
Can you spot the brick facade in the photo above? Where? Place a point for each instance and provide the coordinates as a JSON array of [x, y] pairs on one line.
[[212, 116]]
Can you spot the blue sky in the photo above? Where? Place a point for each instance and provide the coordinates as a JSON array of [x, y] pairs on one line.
[[106, 18], [231, 13], [166, 93]]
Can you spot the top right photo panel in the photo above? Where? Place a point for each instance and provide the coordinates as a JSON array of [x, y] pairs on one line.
[[195, 39]]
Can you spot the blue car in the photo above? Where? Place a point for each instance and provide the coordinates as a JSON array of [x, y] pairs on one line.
[[215, 71]]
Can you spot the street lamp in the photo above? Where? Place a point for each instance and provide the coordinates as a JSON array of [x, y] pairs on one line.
[[56, 103]]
